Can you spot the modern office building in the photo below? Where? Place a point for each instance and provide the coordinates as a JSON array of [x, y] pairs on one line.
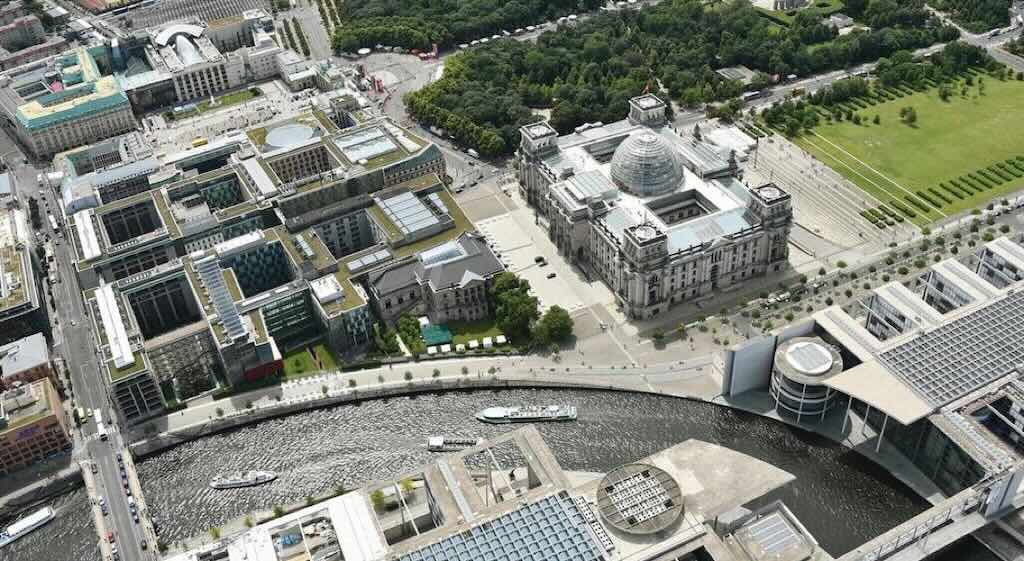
[[21, 311], [203, 268], [661, 217], [184, 61], [932, 365], [33, 425], [25, 360], [107, 171], [509, 499]]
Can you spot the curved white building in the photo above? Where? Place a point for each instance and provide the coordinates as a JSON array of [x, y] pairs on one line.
[[801, 366]]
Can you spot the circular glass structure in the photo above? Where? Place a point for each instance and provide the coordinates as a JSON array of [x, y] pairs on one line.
[[289, 135], [802, 365], [645, 164], [639, 499]]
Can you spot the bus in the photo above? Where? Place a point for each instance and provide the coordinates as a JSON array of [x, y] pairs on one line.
[[751, 96], [101, 430], [81, 417], [53, 223], [97, 415]]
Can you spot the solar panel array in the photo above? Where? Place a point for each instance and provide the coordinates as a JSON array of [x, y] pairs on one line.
[[811, 357], [595, 524], [954, 359], [368, 260], [548, 529], [366, 144], [639, 498], [210, 273], [439, 205], [773, 534], [408, 213]]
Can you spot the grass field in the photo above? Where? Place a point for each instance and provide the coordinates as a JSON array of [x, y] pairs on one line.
[[299, 363], [959, 154], [465, 331]]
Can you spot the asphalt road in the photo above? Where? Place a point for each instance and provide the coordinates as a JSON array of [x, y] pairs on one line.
[[73, 340]]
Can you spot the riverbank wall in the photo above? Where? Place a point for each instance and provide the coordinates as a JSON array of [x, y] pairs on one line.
[[695, 382], [242, 416], [59, 482]]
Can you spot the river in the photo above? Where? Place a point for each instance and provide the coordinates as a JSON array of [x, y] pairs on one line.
[[842, 498]]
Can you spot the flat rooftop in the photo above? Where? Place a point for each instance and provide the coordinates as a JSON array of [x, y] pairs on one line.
[[25, 405], [15, 262]]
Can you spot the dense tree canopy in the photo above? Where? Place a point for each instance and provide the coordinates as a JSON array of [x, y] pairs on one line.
[[793, 117], [588, 72], [976, 15], [418, 23], [555, 326], [515, 309]]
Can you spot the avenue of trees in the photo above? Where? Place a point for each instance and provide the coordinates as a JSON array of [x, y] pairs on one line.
[[419, 23], [588, 72], [976, 15], [793, 117]]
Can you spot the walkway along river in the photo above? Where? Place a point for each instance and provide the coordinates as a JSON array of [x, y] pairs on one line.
[[842, 498]]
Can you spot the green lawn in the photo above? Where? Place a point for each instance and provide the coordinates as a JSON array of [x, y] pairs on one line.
[[949, 140], [226, 100], [465, 331], [299, 363]]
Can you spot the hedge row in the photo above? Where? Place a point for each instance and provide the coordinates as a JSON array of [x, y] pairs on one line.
[[917, 203], [955, 191], [892, 214], [907, 211], [870, 217], [927, 198], [940, 195]]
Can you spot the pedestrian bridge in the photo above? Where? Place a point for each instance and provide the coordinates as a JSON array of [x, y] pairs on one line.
[[944, 523]]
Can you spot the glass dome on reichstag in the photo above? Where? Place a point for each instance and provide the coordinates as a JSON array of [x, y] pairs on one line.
[[645, 164]]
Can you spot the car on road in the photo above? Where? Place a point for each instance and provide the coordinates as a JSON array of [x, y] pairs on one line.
[[143, 545], [551, 275], [110, 537], [93, 468], [538, 259]]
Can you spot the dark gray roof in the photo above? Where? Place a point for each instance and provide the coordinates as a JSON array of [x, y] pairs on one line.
[[453, 263]]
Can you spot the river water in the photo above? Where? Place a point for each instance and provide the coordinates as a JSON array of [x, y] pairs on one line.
[[842, 498]]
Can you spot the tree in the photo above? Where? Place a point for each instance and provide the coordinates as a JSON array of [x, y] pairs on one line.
[[515, 309], [215, 533], [278, 511], [945, 91], [377, 499], [554, 327], [407, 485], [877, 120], [908, 115]]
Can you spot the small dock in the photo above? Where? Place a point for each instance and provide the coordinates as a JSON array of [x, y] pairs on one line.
[[451, 444]]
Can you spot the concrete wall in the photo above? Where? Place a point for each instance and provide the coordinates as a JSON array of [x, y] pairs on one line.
[[164, 440], [749, 366]]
